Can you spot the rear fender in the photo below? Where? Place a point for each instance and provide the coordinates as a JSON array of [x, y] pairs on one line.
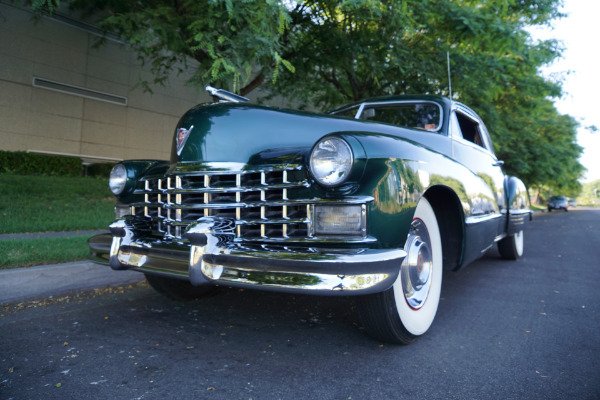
[[518, 204]]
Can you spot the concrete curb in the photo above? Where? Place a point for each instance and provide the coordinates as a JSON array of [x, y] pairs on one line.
[[38, 235], [21, 284]]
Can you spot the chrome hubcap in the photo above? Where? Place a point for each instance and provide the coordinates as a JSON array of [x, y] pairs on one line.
[[417, 267]]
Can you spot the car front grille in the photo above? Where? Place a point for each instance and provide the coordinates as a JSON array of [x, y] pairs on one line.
[[260, 202]]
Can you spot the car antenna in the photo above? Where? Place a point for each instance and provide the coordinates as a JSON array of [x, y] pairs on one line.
[[450, 94], [449, 76]]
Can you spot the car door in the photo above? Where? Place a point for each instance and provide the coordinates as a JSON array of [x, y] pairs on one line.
[[472, 147]]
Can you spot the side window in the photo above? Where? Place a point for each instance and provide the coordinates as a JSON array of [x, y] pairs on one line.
[[470, 129], [418, 115]]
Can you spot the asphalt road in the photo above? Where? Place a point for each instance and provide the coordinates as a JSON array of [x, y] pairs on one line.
[[505, 330]]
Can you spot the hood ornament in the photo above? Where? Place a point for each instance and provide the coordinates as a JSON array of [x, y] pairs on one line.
[[181, 138], [223, 95]]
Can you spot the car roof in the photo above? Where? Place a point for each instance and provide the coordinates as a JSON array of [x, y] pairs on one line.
[[385, 99]]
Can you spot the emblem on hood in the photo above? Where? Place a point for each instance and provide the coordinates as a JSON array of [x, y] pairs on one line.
[[181, 137]]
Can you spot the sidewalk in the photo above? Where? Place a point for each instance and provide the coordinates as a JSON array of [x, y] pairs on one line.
[[20, 284]]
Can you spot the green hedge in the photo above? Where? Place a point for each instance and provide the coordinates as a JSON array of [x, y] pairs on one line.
[[100, 169], [20, 162]]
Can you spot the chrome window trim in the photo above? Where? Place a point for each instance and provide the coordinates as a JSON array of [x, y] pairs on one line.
[[359, 111]]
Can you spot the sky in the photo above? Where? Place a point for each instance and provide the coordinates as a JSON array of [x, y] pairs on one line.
[[579, 33]]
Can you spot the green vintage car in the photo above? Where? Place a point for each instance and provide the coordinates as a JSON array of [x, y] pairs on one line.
[[371, 200]]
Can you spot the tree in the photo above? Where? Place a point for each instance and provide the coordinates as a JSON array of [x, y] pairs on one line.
[[324, 53], [590, 193], [227, 43]]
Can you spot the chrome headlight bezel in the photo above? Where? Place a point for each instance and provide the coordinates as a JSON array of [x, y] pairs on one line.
[[118, 179], [331, 161]]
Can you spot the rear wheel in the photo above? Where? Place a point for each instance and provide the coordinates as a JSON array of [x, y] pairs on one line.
[[176, 289], [511, 247], [406, 310]]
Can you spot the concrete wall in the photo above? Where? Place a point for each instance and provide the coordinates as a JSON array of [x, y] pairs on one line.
[[42, 120]]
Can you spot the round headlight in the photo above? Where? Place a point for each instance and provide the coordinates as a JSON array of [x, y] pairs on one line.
[[331, 161], [118, 179]]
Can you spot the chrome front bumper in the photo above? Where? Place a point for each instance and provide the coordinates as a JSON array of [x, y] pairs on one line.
[[211, 257]]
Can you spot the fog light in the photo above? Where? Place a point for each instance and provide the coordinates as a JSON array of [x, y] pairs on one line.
[[122, 210], [339, 220]]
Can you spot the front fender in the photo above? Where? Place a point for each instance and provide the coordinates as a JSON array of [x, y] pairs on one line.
[[400, 171]]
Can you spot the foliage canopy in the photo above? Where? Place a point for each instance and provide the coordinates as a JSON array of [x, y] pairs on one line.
[[325, 53]]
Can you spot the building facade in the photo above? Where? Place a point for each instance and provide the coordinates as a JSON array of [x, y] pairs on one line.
[[61, 94]]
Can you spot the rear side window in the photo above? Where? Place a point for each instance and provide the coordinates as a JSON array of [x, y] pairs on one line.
[[471, 130]]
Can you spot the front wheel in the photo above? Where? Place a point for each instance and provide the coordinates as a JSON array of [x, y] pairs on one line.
[[511, 247], [179, 290], [406, 310]]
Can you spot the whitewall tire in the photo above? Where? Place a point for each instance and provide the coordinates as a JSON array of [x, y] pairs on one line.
[[511, 247], [407, 310]]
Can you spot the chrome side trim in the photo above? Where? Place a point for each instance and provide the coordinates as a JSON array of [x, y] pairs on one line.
[[474, 219]]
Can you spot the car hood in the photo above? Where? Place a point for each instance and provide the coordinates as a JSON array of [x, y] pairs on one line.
[[250, 134]]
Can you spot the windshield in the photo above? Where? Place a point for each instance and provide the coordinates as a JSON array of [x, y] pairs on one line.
[[418, 115]]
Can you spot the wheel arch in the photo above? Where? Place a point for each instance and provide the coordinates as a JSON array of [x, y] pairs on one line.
[[449, 214]]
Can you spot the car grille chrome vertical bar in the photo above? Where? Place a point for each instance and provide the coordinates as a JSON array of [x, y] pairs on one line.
[[262, 208], [238, 200], [146, 197], [284, 226], [206, 194]]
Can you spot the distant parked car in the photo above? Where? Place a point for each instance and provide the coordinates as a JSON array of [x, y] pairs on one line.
[[558, 203], [572, 203]]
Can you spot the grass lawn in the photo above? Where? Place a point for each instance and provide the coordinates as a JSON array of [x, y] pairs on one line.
[[540, 207], [32, 203], [28, 252]]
